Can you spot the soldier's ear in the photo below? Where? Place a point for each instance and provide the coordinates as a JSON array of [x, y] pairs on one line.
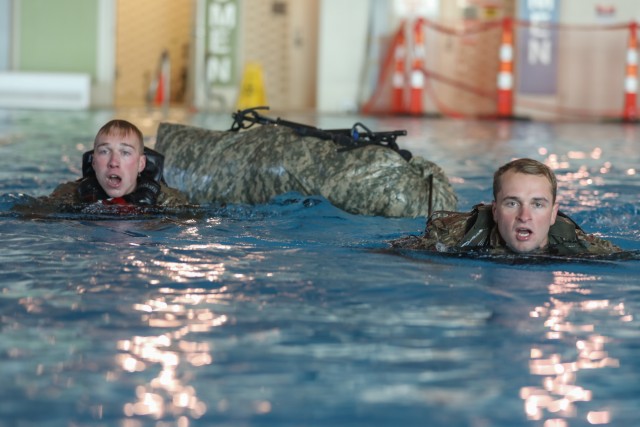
[[554, 213], [142, 163]]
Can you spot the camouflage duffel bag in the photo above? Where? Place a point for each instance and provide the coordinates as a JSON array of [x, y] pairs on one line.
[[254, 165]]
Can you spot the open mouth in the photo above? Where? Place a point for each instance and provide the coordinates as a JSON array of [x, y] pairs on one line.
[[114, 181], [523, 233]]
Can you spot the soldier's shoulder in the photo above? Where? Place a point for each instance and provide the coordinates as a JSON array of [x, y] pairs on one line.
[[66, 189]]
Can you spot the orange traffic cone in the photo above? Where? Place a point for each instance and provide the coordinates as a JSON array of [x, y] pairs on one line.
[[398, 77], [630, 112], [417, 65], [159, 98], [505, 75], [163, 80]]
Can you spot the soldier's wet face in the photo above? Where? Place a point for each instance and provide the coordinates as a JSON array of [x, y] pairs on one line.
[[117, 160], [524, 210]]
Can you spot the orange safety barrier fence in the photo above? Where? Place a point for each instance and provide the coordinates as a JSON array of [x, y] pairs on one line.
[[417, 65], [399, 77], [505, 74], [471, 71], [631, 76]]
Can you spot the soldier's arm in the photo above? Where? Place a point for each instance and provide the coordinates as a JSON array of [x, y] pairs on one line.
[[445, 233], [596, 245], [172, 197], [442, 234], [66, 192]]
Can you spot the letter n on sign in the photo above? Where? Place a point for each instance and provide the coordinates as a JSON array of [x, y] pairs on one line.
[[222, 23], [538, 47]]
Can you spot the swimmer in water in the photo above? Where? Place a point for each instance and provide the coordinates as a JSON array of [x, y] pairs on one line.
[[523, 218], [120, 170]]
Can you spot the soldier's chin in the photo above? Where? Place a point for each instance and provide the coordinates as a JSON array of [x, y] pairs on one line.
[[112, 194], [521, 248]]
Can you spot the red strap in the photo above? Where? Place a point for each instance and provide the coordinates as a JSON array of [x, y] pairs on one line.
[[115, 201]]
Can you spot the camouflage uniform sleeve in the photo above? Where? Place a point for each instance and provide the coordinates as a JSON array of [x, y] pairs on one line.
[[596, 245], [65, 193], [172, 197], [444, 231]]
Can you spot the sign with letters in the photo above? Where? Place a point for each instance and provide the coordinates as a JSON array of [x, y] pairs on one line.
[[538, 47], [222, 25]]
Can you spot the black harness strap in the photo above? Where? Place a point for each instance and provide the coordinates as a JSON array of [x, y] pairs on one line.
[[358, 136]]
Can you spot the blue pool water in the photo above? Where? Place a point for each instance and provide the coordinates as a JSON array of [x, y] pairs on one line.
[[292, 314]]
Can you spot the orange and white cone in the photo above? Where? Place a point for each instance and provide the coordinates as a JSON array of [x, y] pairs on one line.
[[630, 112], [164, 78], [417, 65], [159, 97], [398, 77], [505, 75]]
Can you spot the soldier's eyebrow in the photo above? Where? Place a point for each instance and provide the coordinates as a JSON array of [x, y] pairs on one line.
[[102, 144], [540, 199], [513, 198], [518, 199]]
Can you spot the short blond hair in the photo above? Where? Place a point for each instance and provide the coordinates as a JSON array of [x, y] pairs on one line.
[[120, 127], [529, 167]]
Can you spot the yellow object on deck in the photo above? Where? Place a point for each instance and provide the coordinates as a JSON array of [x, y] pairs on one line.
[[252, 90]]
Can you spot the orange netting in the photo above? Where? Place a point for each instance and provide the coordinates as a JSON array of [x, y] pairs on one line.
[[472, 71]]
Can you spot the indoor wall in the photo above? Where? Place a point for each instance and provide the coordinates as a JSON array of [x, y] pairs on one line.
[[5, 34], [46, 39], [144, 30]]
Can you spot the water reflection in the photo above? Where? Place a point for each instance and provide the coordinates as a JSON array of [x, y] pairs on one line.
[[178, 313], [554, 399]]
